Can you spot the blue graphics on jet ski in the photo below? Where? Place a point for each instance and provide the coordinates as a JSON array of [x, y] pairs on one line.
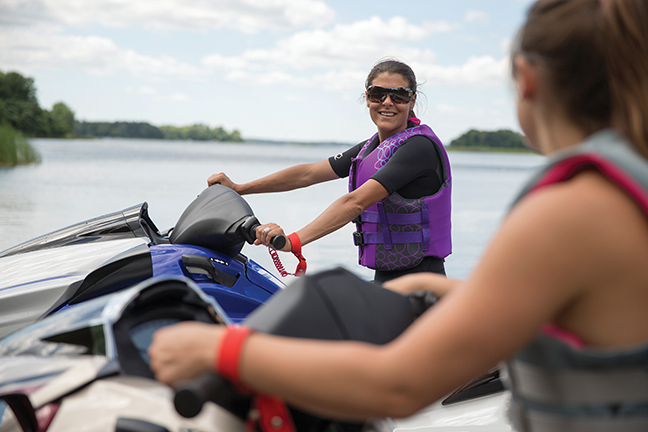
[[118, 250]]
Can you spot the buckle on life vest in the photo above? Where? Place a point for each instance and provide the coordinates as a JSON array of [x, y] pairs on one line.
[[358, 238]]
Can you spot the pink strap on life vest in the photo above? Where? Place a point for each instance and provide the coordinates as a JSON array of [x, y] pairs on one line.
[[564, 336], [570, 167]]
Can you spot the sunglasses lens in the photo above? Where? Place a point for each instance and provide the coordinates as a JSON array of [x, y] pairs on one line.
[[400, 96], [377, 94]]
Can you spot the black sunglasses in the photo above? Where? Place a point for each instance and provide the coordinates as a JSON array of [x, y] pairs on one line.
[[398, 95]]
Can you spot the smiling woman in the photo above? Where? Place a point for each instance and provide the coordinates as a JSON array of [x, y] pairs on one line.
[[399, 185]]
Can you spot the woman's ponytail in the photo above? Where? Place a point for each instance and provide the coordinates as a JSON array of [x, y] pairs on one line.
[[626, 23]]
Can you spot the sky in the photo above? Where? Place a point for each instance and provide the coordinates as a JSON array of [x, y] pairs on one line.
[[290, 70]]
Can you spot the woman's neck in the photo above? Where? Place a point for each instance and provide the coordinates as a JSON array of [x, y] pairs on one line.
[[558, 133], [382, 136]]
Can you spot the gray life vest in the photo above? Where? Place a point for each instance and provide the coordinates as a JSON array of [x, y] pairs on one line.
[[559, 387]]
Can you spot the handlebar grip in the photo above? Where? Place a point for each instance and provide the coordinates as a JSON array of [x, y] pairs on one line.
[[278, 241], [190, 396]]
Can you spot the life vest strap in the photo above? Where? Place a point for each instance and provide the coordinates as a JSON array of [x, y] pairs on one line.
[[365, 238], [392, 218]]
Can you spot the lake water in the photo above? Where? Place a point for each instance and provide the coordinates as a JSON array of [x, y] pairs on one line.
[[82, 179]]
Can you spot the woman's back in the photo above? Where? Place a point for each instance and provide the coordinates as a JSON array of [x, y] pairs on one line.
[[608, 254]]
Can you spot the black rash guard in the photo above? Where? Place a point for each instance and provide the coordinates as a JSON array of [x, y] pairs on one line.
[[414, 171]]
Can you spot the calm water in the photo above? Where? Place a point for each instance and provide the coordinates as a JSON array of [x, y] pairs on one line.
[[79, 179]]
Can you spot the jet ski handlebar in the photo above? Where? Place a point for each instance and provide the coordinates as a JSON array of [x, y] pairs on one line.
[[249, 227], [190, 396]]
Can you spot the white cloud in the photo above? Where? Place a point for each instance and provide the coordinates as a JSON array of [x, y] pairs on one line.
[[247, 16], [147, 91], [476, 16], [26, 50], [178, 97], [449, 109], [338, 57], [476, 70]]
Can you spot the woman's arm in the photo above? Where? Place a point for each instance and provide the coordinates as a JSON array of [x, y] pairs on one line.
[[527, 276], [294, 177], [544, 258], [437, 284], [339, 213]]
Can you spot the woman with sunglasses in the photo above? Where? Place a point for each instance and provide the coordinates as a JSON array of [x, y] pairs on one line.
[[399, 185], [561, 290]]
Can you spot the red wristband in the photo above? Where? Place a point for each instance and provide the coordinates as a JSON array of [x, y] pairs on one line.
[[295, 243], [229, 351], [295, 248]]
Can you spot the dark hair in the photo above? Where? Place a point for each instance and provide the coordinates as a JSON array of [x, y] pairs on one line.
[[393, 67], [594, 54], [627, 64]]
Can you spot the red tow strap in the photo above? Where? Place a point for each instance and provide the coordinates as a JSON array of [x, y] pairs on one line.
[[295, 244], [271, 415]]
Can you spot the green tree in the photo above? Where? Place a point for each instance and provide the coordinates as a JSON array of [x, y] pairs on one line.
[[19, 106], [63, 120], [118, 130], [199, 132], [14, 86], [502, 139]]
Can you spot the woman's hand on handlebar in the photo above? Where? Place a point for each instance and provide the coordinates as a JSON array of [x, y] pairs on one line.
[[221, 178], [266, 232], [184, 351]]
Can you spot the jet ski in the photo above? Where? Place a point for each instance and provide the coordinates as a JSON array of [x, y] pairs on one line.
[[118, 250], [86, 367]]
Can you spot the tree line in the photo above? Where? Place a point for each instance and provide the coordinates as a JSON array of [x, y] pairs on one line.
[[20, 110], [483, 140], [196, 132]]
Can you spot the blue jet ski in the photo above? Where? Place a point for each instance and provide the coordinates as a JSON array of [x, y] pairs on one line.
[[118, 250]]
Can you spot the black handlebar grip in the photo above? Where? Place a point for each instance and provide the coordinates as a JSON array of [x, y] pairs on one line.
[[190, 396], [278, 241]]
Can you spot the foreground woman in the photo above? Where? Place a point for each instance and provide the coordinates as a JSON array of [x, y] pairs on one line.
[[561, 290]]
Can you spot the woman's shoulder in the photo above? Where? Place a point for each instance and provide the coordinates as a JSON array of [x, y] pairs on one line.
[[419, 146], [588, 213]]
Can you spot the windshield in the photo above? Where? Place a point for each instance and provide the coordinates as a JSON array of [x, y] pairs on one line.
[[82, 321]]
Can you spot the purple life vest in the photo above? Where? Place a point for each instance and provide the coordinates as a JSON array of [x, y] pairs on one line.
[[396, 233]]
